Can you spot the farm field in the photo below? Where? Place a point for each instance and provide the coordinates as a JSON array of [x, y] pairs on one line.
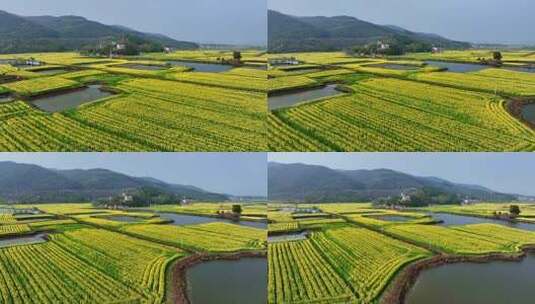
[[76, 253], [361, 258], [400, 104], [166, 107]]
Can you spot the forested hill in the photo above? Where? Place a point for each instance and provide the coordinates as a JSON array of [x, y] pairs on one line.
[[31, 183], [20, 34], [323, 184], [288, 33]]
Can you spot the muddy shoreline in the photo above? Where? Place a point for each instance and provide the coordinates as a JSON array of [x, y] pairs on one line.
[[514, 107], [179, 285], [398, 289]]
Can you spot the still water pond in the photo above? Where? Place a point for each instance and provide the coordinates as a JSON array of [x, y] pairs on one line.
[[458, 67], [301, 96], [50, 72], [228, 282], [453, 220], [477, 283], [184, 219], [22, 240], [288, 237], [203, 67], [71, 99], [528, 112]]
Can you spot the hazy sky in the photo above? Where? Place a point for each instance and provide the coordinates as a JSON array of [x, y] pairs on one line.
[[502, 21], [231, 173], [506, 172], [229, 21]]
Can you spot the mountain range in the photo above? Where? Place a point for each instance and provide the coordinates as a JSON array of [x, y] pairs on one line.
[[20, 34], [314, 183], [287, 33], [35, 184]]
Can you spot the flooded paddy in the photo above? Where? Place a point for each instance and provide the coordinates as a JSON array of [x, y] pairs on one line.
[[22, 240], [228, 282], [184, 219], [477, 283], [280, 101], [6, 98], [455, 220], [288, 237], [458, 67], [203, 67], [58, 102], [50, 72]]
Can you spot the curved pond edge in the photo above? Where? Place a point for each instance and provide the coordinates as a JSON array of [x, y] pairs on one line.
[[514, 107], [177, 292], [400, 286]]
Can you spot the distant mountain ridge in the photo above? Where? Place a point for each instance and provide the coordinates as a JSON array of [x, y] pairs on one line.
[[20, 34], [35, 184], [287, 33], [322, 184]]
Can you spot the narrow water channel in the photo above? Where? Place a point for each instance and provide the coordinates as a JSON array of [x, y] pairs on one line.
[[495, 282], [228, 282]]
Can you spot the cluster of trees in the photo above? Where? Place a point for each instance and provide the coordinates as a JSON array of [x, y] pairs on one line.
[[141, 197], [422, 197], [132, 46], [396, 46]]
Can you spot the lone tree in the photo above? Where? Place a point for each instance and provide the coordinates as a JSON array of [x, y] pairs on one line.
[[236, 209], [236, 55], [514, 210], [497, 56]]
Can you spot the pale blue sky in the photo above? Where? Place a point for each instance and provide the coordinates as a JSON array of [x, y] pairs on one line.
[[502, 21], [231, 173], [506, 172], [229, 21]]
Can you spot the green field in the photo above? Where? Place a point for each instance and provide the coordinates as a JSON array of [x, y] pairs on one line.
[[173, 109], [356, 259], [87, 257], [420, 108]]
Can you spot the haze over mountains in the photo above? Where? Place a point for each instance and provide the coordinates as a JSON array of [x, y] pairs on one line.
[[35, 184], [322, 184], [20, 34], [287, 33]]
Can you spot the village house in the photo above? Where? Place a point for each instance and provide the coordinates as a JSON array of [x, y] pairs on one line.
[[127, 198], [382, 46], [436, 50]]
